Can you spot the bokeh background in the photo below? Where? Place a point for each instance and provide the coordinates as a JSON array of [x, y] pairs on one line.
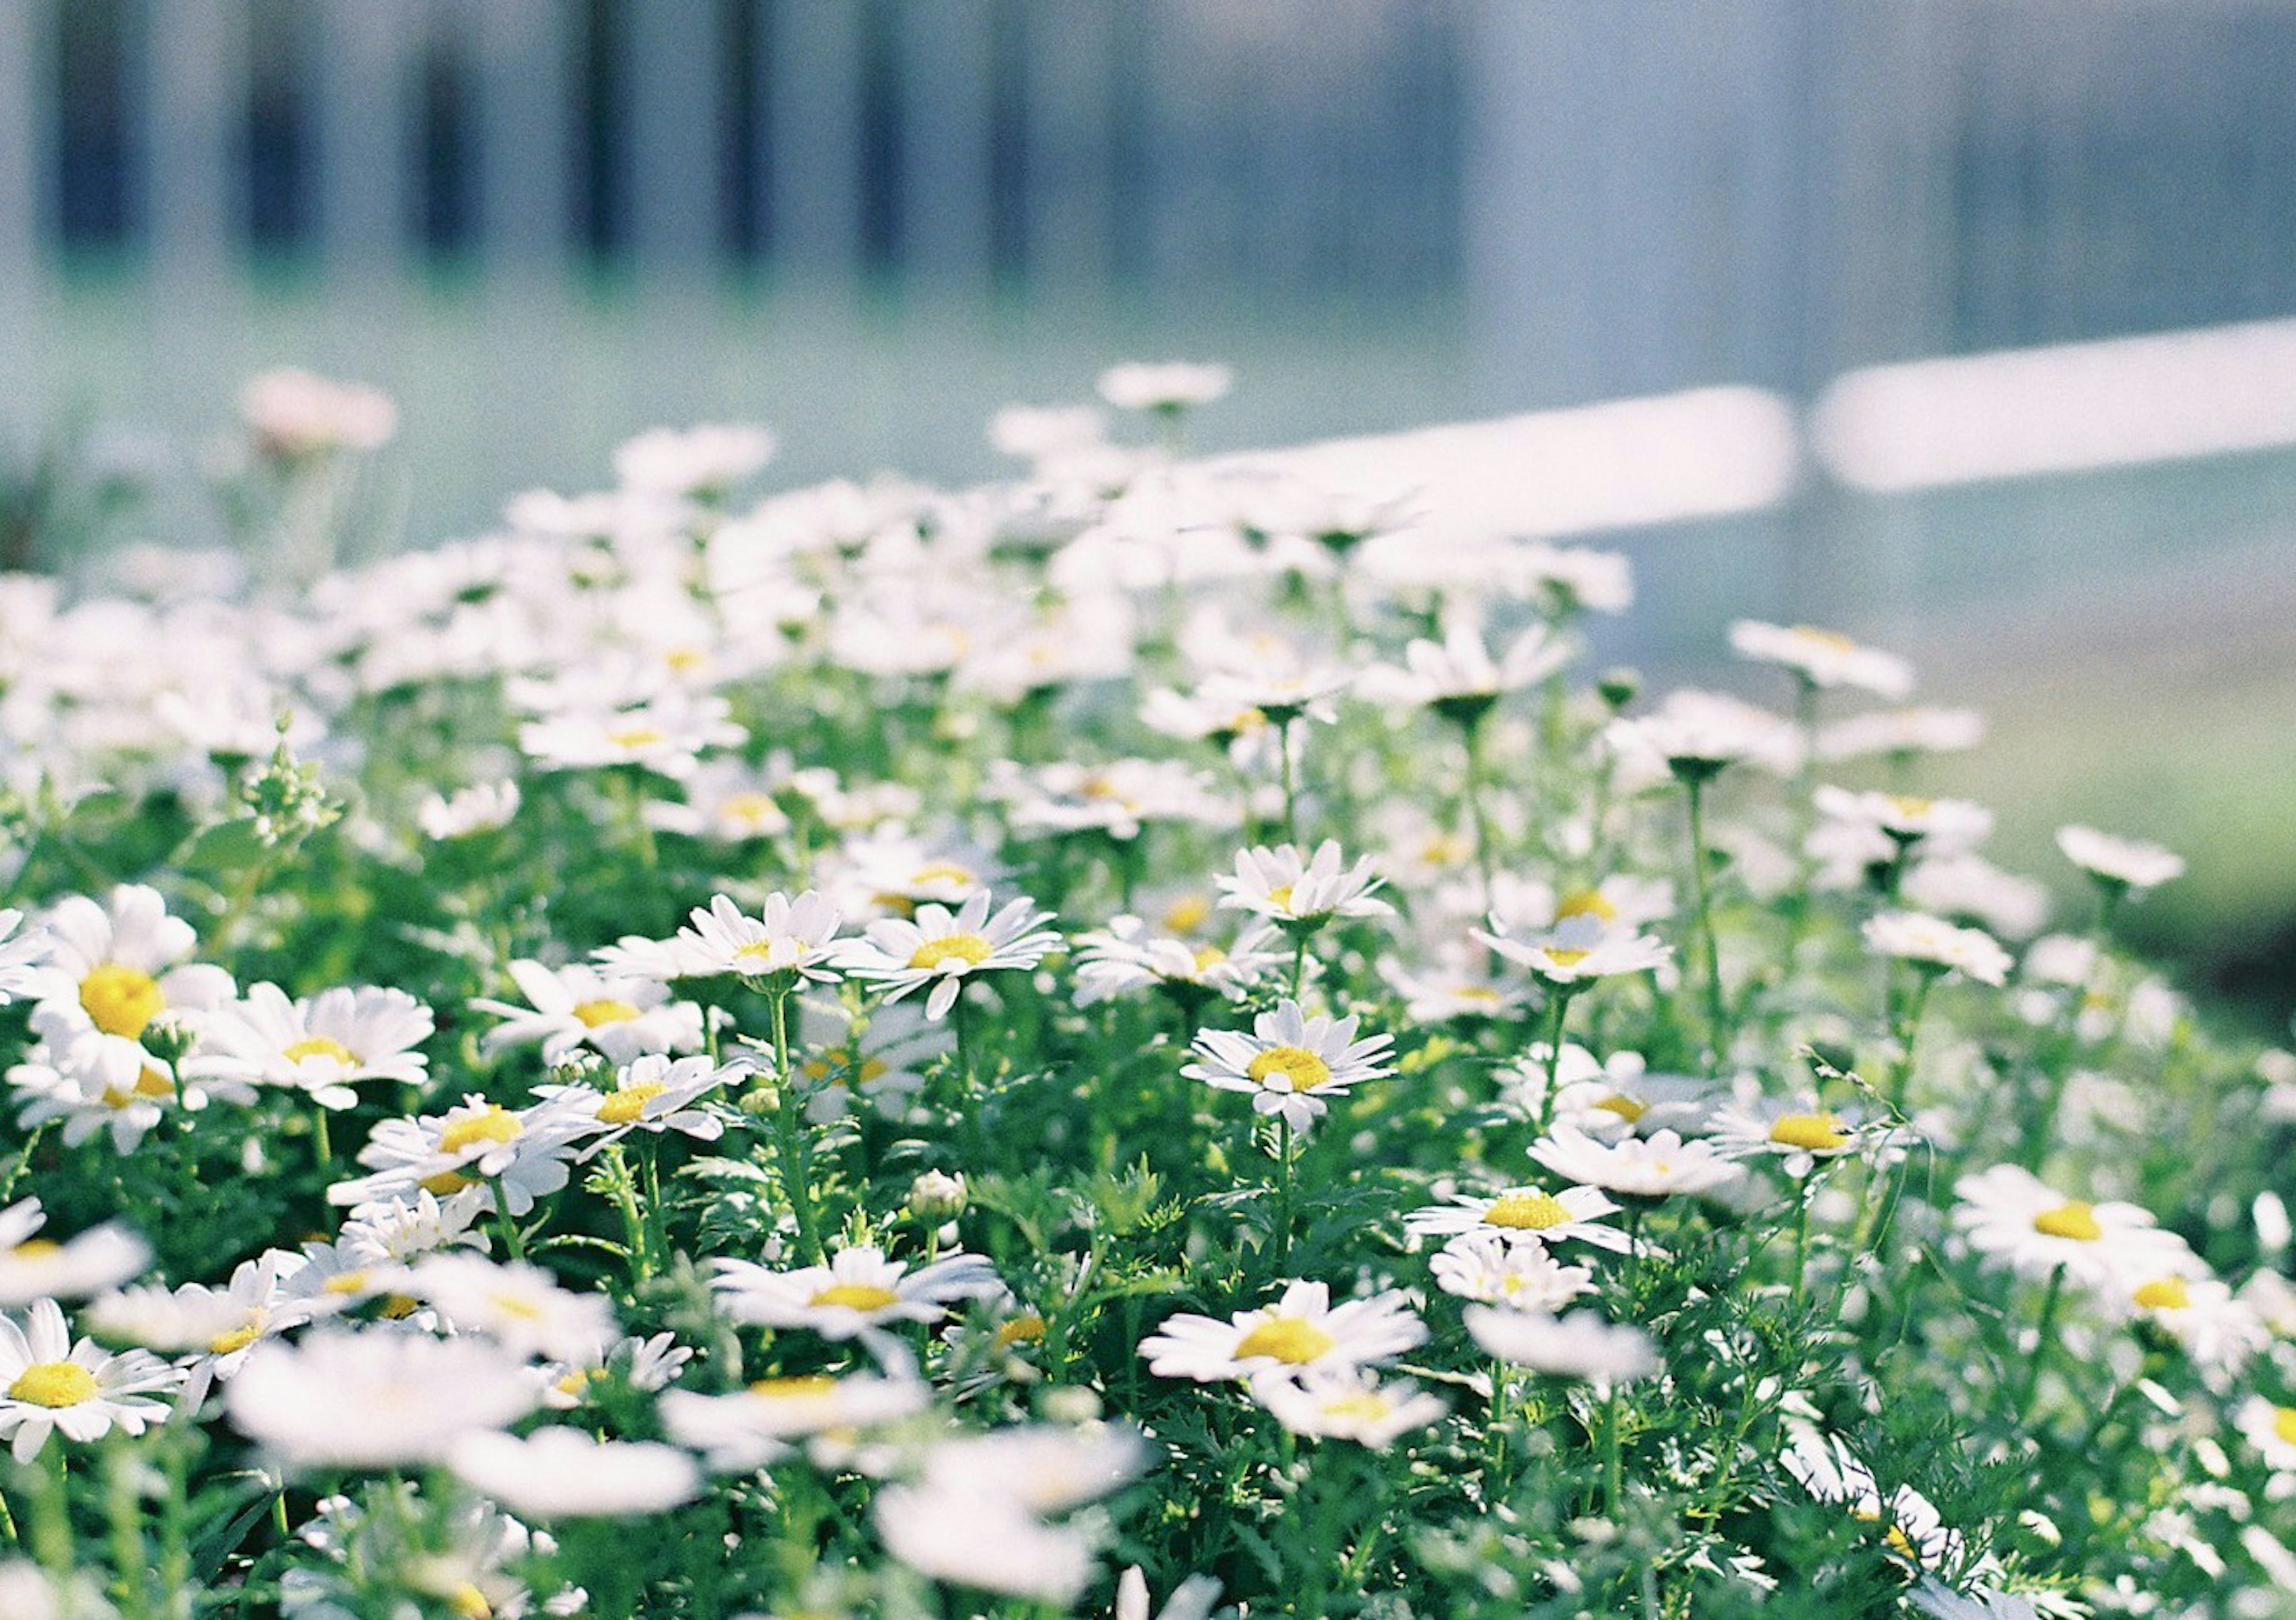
[[1999, 290]]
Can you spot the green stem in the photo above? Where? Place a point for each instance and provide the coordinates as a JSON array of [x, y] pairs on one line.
[[513, 1245], [1290, 782], [2041, 1345], [1717, 1038], [320, 1143], [623, 1189], [1907, 1031], [1283, 1192], [796, 1174], [1478, 815], [1613, 1464], [1561, 996]]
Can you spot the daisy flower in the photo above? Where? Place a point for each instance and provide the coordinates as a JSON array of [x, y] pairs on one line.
[[1948, 825], [1695, 736], [563, 1473], [1523, 1211], [859, 1288], [790, 942], [1346, 1404], [320, 1046], [20, 955], [1580, 1345], [726, 801], [2216, 1329], [942, 948], [483, 807], [703, 461], [1302, 1329], [1290, 1063], [1126, 956], [1192, 1600], [32, 1267], [879, 1059], [2124, 864], [2018, 1221], [576, 1006], [111, 969], [1458, 678], [49, 1383], [1831, 1472], [1498, 1268], [1615, 1096], [1902, 733], [1165, 386], [1822, 658], [2271, 1429], [1637, 1167], [374, 1400], [95, 1084], [1936, 946], [523, 1151], [667, 735], [1801, 1134], [1577, 949], [520, 1307], [1299, 891], [652, 1093], [753, 1428]]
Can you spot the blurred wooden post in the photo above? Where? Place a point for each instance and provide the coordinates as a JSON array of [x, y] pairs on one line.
[[1068, 160], [195, 100], [525, 116], [364, 150], [21, 39], [813, 165], [946, 62], [676, 120]]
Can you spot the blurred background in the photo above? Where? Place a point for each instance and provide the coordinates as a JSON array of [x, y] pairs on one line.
[[1968, 326]]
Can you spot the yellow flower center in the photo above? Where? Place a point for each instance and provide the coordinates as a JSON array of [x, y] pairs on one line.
[[1530, 1212], [1566, 957], [970, 948], [636, 737], [940, 872], [590, 1015], [446, 1184], [238, 1338], [121, 1000], [1028, 1329], [857, 1296], [628, 1105], [2165, 1294], [806, 1386], [1287, 1339], [54, 1383], [576, 1383], [1811, 1132], [1832, 641], [1281, 895], [1299, 1068], [38, 1248], [751, 810], [345, 1282], [1586, 902], [2284, 1424], [1626, 1108], [685, 661], [1209, 957], [468, 1602], [2074, 1220], [1363, 1407], [510, 1304], [322, 1046], [399, 1307], [492, 1123], [1912, 808], [1188, 915]]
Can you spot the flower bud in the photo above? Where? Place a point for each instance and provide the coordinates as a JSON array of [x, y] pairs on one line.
[[937, 1196]]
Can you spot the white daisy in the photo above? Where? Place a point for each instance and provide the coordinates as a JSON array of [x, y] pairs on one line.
[[859, 1288], [1300, 1330], [1499, 1268], [1901, 732], [1579, 949], [2017, 1221], [50, 1383], [1949, 826], [563, 1473], [111, 969], [1126, 956], [1822, 658], [524, 1151], [753, 1428], [1523, 1211], [2271, 1429], [32, 1267], [667, 735], [1578, 1345], [1637, 1167], [703, 462], [483, 807], [2123, 863], [2216, 1329], [1295, 891], [654, 1094], [577, 1006], [520, 1307], [942, 948], [374, 1400], [1800, 1133], [321, 1046], [1830, 1471], [1164, 385], [1695, 734], [726, 800], [1290, 1063], [1937, 946], [1346, 1404], [790, 942], [1458, 678], [20, 955]]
